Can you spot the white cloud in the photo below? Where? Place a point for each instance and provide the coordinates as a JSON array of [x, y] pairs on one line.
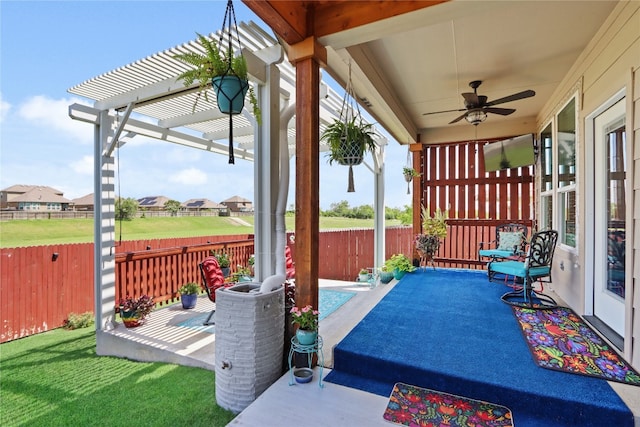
[[83, 166], [4, 108], [46, 112], [191, 176]]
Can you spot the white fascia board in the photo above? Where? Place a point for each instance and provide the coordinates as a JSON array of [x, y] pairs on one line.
[[90, 115]]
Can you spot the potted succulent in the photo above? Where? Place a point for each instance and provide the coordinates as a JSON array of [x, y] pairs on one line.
[[224, 71], [363, 275], [189, 294], [386, 275], [399, 264], [306, 319], [134, 311], [434, 229]]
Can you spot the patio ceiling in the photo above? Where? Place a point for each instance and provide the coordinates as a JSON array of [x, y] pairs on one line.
[[411, 58], [163, 107]]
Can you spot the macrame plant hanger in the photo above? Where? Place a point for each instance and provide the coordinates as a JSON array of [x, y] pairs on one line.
[[228, 25], [350, 111], [409, 165]]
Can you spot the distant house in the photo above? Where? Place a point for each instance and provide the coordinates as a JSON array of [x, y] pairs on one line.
[[203, 205], [33, 198], [238, 204], [152, 203], [84, 203]]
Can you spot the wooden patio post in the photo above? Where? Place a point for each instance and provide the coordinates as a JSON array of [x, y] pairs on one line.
[[417, 196], [308, 56]]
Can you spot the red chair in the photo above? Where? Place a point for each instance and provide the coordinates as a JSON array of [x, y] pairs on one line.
[[212, 279], [289, 266]]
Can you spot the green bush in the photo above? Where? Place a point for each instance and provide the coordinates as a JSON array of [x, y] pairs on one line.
[[77, 321]]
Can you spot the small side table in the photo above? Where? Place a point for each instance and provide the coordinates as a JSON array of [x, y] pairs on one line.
[[309, 350]]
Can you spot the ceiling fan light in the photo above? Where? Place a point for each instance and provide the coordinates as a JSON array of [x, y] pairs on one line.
[[476, 117]]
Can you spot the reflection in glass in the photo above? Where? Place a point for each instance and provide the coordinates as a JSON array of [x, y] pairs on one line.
[[567, 145], [616, 208]]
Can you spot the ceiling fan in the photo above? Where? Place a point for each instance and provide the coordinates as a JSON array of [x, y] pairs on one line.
[[477, 107]]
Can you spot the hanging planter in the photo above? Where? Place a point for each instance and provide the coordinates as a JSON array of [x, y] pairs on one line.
[[230, 92], [223, 70], [409, 173], [349, 136]]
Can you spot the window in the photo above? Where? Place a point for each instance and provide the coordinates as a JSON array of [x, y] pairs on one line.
[[567, 174], [558, 179], [546, 178]]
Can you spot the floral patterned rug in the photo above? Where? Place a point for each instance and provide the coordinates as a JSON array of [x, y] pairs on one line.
[[559, 339], [415, 406]]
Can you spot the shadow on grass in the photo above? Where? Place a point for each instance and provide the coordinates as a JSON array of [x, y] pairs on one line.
[[62, 382]]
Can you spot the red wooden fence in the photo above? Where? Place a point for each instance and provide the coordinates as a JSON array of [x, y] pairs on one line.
[[39, 289]]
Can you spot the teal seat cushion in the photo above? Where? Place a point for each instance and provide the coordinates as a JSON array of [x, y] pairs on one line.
[[512, 268], [495, 253], [516, 268]]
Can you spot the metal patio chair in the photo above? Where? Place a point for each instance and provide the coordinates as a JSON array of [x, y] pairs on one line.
[[535, 267]]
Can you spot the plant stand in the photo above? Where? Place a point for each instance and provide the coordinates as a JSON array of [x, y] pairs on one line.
[[309, 350]]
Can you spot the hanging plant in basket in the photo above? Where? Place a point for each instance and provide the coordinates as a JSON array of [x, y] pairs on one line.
[[409, 173], [223, 70], [349, 137]]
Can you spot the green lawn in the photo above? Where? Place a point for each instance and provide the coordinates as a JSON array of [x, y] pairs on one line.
[[56, 379], [17, 233]]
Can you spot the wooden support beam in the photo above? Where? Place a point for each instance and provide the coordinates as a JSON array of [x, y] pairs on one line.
[[307, 179]]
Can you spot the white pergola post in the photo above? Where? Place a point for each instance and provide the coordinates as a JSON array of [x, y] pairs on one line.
[[104, 225]]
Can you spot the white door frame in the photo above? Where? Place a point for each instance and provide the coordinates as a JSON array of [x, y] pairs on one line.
[[590, 197]]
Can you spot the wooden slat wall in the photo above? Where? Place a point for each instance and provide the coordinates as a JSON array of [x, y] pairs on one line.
[[454, 180]]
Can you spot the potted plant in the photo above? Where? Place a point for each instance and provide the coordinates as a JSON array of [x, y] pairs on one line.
[[242, 274], [189, 294], [306, 319], [224, 71], [134, 311], [223, 262], [363, 275], [348, 140], [434, 229], [385, 274], [409, 173], [399, 264]]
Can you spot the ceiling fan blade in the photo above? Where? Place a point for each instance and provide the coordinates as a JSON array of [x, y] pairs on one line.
[[457, 119], [446, 111], [520, 95], [501, 111], [470, 99]]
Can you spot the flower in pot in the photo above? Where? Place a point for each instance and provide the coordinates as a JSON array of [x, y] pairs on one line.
[[434, 229], [133, 311], [363, 275], [306, 319], [399, 264], [348, 140], [218, 68], [189, 294]]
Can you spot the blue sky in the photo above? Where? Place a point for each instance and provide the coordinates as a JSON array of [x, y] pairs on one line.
[[47, 47]]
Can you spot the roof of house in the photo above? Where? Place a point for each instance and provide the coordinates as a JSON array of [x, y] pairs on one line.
[[236, 199], [202, 204], [41, 194], [152, 201], [22, 188], [84, 200]]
